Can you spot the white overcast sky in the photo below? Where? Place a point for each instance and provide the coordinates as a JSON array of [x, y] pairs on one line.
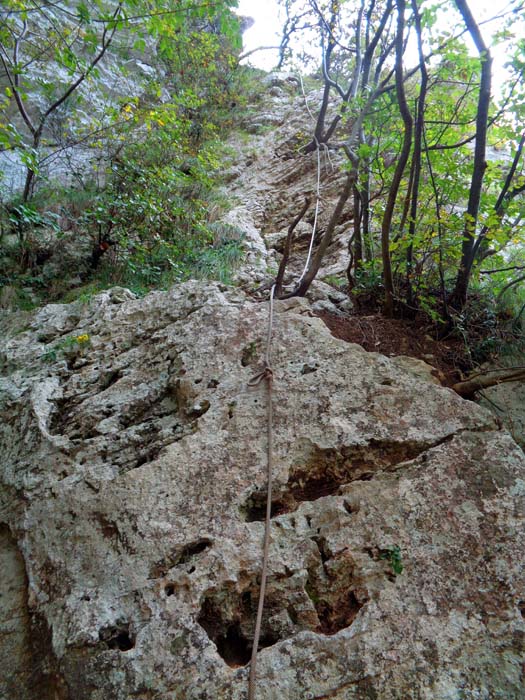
[[268, 22]]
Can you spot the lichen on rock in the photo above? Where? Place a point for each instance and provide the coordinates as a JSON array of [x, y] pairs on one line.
[[133, 477]]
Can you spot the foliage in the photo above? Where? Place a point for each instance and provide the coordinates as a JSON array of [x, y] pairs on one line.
[[152, 139], [459, 198], [393, 555], [67, 347]]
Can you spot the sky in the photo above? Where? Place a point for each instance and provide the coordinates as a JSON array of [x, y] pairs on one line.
[[265, 31], [268, 23]]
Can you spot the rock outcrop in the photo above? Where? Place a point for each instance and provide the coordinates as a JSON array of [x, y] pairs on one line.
[[133, 488], [270, 177], [507, 400]]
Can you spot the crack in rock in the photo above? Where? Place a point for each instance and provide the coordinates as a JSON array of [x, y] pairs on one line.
[[327, 470]]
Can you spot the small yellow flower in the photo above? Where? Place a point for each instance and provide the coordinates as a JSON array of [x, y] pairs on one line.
[[84, 338]]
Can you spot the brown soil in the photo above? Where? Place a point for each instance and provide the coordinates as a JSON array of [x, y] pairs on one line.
[[400, 337]]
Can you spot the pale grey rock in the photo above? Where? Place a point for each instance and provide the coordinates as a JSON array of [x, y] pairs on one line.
[[321, 291], [274, 179], [328, 299], [418, 368], [507, 401], [275, 241], [326, 306], [256, 256], [282, 79], [133, 483]]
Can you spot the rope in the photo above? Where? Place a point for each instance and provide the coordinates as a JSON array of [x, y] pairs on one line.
[[265, 375], [305, 98], [314, 228], [317, 194]]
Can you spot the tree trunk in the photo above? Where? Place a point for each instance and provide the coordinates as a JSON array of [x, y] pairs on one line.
[[288, 248], [357, 237], [477, 382], [388, 309], [416, 156], [315, 264], [459, 295]]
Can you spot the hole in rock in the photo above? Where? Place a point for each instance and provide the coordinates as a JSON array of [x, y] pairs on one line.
[[234, 647], [336, 607], [199, 409], [108, 527], [248, 354], [191, 550], [255, 508], [521, 607], [169, 589], [326, 470], [333, 588], [324, 552], [110, 378], [117, 637], [148, 456], [180, 556], [349, 509], [229, 621], [367, 476], [332, 620]]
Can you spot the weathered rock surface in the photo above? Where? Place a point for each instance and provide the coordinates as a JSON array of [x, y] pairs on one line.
[[133, 483], [270, 178], [507, 400]]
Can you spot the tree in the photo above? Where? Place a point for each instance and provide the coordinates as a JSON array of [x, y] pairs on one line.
[[404, 138], [57, 99], [459, 296], [50, 56], [354, 75]]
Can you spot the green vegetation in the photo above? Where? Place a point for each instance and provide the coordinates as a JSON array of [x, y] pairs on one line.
[[434, 169], [70, 346], [145, 212], [137, 98], [393, 555]]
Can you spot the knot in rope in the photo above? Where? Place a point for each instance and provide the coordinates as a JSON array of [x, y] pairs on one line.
[[265, 373]]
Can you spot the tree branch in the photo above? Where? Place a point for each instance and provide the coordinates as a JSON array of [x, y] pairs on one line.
[[477, 382]]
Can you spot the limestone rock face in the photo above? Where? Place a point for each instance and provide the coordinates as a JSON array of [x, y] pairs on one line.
[[133, 486], [507, 401]]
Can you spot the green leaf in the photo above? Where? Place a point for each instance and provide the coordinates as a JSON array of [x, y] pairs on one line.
[[83, 13]]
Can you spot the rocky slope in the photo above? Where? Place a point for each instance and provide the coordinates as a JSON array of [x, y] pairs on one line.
[[133, 482], [269, 178]]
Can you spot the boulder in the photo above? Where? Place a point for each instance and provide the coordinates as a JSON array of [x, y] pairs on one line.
[[133, 492]]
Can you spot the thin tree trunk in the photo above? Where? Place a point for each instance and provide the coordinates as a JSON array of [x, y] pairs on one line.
[[315, 264], [388, 309], [416, 157], [459, 295], [288, 248], [477, 382], [357, 237]]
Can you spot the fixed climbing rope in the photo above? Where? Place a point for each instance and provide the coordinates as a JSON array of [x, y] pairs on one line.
[[266, 375]]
